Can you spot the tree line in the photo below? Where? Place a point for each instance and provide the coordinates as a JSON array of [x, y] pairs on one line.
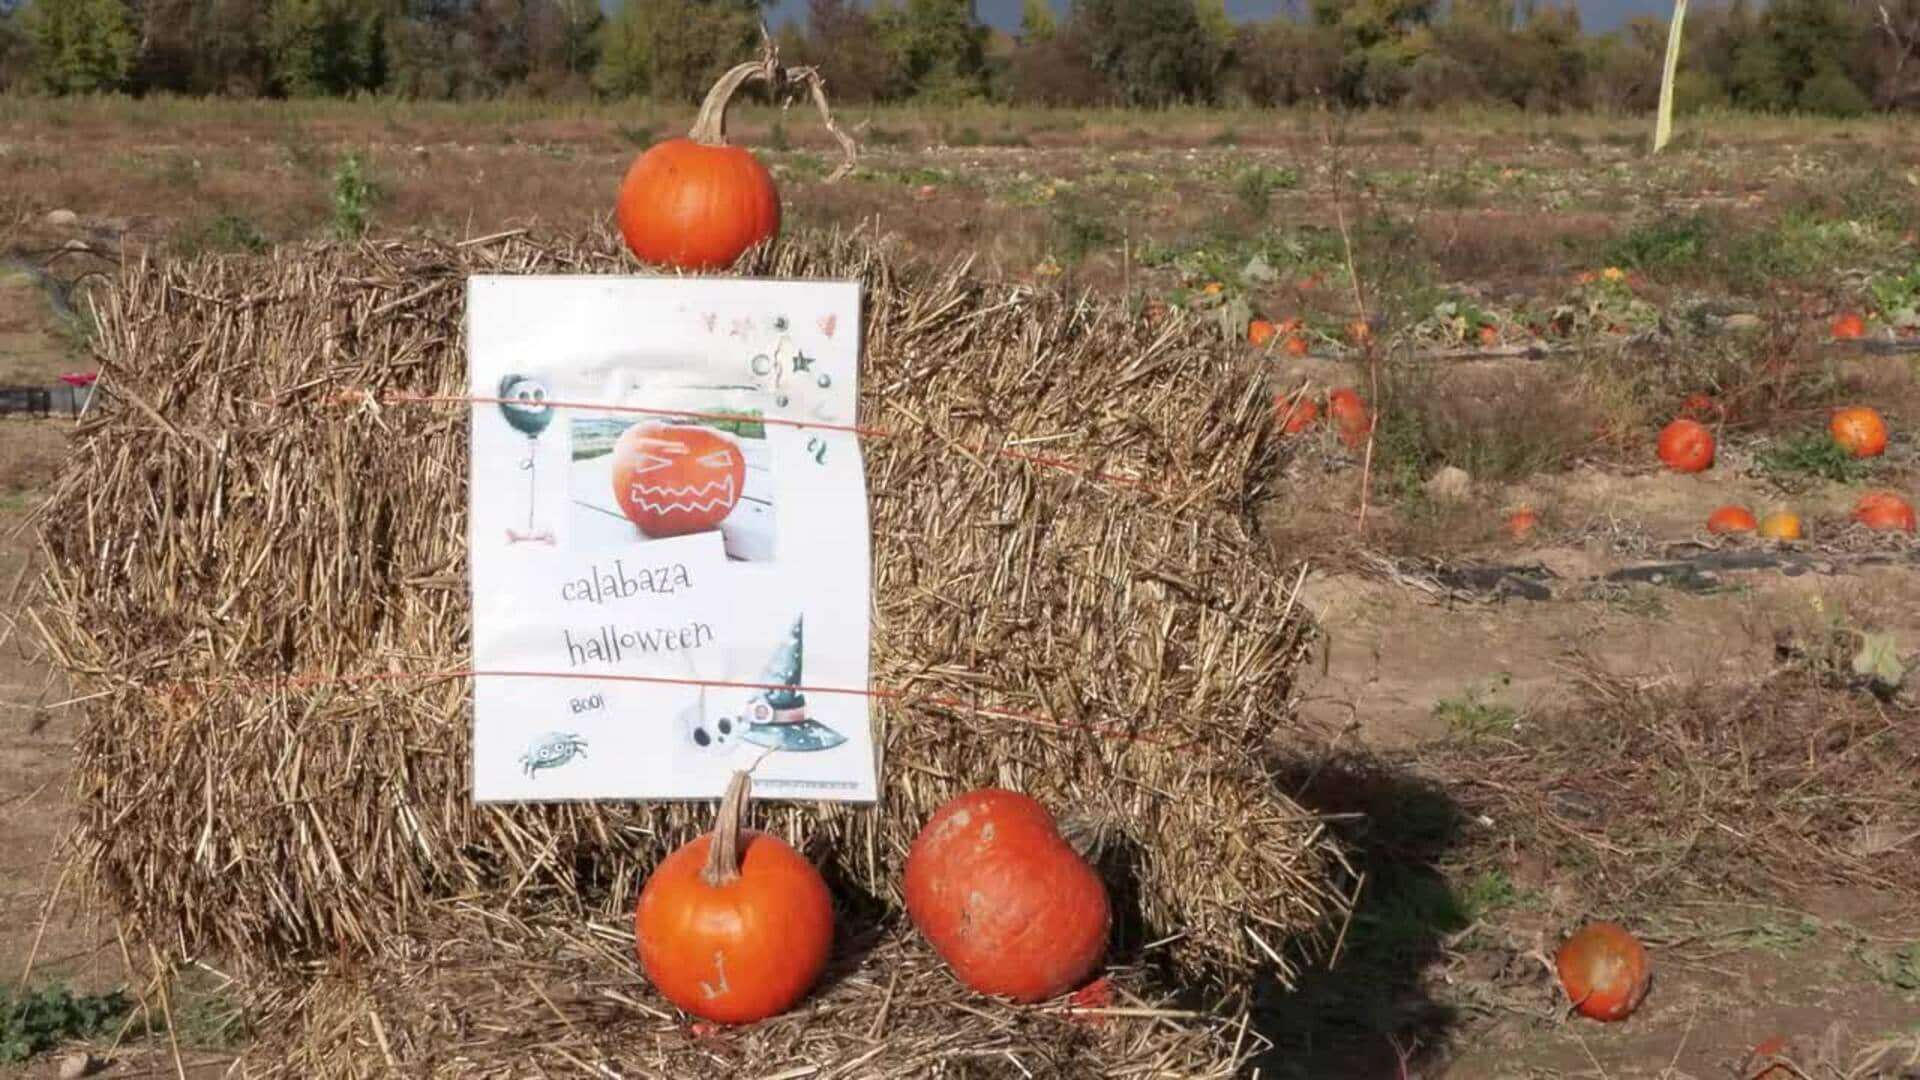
[[1832, 57]]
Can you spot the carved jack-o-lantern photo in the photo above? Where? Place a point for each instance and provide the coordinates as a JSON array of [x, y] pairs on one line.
[[675, 479]]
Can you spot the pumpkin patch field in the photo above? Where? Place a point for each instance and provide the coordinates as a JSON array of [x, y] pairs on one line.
[[1464, 621]]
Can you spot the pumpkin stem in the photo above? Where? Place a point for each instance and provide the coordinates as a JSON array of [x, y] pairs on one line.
[[710, 127], [723, 850]]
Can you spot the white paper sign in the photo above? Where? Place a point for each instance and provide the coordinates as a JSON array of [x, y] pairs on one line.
[[640, 538]]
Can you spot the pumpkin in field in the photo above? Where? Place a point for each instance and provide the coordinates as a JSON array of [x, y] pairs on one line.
[[1849, 327], [1883, 511], [1859, 431], [1296, 414], [675, 479], [1521, 523], [1686, 446], [1731, 519], [734, 926], [696, 203], [1489, 335], [1359, 332], [1296, 345], [1781, 525], [1349, 414], [1604, 970], [1004, 899], [1260, 331]]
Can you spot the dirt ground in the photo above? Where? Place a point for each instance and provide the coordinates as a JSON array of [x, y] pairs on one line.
[[1617, 715]]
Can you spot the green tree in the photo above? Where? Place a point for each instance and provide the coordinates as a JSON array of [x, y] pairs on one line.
[[82, 46], [1037, 24], [681, 46], [1153, 51], [1831, 93], [1758, 79], [937, 44], [626, 54], [327, 47]]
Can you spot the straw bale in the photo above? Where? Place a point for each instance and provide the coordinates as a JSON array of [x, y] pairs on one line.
[[480, 996], [251, 581]]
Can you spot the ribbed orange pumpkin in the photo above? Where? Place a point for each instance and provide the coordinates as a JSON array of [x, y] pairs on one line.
[[1732, 519], [734, 926], [696, 203], [1884, 511], [1859, 430], [1686, 446], [1604, 971], [1004, 899]]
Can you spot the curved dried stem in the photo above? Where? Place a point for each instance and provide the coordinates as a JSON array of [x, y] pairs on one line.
[[723, 850], [710, 127]]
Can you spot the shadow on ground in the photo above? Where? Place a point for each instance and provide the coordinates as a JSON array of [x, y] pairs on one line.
[[1368, 1014]]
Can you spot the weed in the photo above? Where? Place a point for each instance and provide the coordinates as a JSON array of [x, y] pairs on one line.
[[32, 1021], [777, 137], [1226, 136], [1668, 242], [353, 198], [1080, 227], [879, 136], [1254, 187], [640, 135], [1472, 715], [1813, 455], [210, 1022], [1488, 892]]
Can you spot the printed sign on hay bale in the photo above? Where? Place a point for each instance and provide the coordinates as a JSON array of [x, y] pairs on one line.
[[665, 485]]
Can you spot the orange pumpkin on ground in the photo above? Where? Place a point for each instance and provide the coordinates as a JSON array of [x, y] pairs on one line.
[[675, 479], [1859, 431], [1260, 331], [1849, 327], [1296, 345], [1359, 332], [1732, 519], [1521, 522], [1349, 413], [1006, 902], [1686, 446], [734, 926], [696, 203], [1884, 511], [1604, 970], [1781, 525], [1297, 415], [1489, 335]]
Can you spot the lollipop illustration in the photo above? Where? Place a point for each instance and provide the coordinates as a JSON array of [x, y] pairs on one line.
[[523, 401]]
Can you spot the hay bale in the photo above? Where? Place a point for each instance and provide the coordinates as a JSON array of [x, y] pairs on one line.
[[483, 997], [249, 581]]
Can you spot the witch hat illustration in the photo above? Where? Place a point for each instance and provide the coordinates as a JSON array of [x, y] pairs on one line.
[[524, 402], [777, 717]]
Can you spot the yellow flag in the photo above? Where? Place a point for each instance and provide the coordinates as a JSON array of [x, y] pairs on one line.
[[1663, 124]]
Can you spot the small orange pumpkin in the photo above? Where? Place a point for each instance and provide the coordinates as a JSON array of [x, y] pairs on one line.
[[1781, 525], [1004, 899], [1521, 522], [1849, 327], [734, 926], [696, 203], [1884, 511], [1604, 970], [1359, 332], [1296, 345], [1859, 431], [675, 479], [1686, 446], [1731, 519], [1297, 415], [1260, 331], [1489, 335], [1349, 413]]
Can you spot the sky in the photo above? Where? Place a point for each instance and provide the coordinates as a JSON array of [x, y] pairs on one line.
[[1595, 15]]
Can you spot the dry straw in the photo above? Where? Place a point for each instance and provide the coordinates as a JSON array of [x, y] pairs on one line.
[[226, 522]]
